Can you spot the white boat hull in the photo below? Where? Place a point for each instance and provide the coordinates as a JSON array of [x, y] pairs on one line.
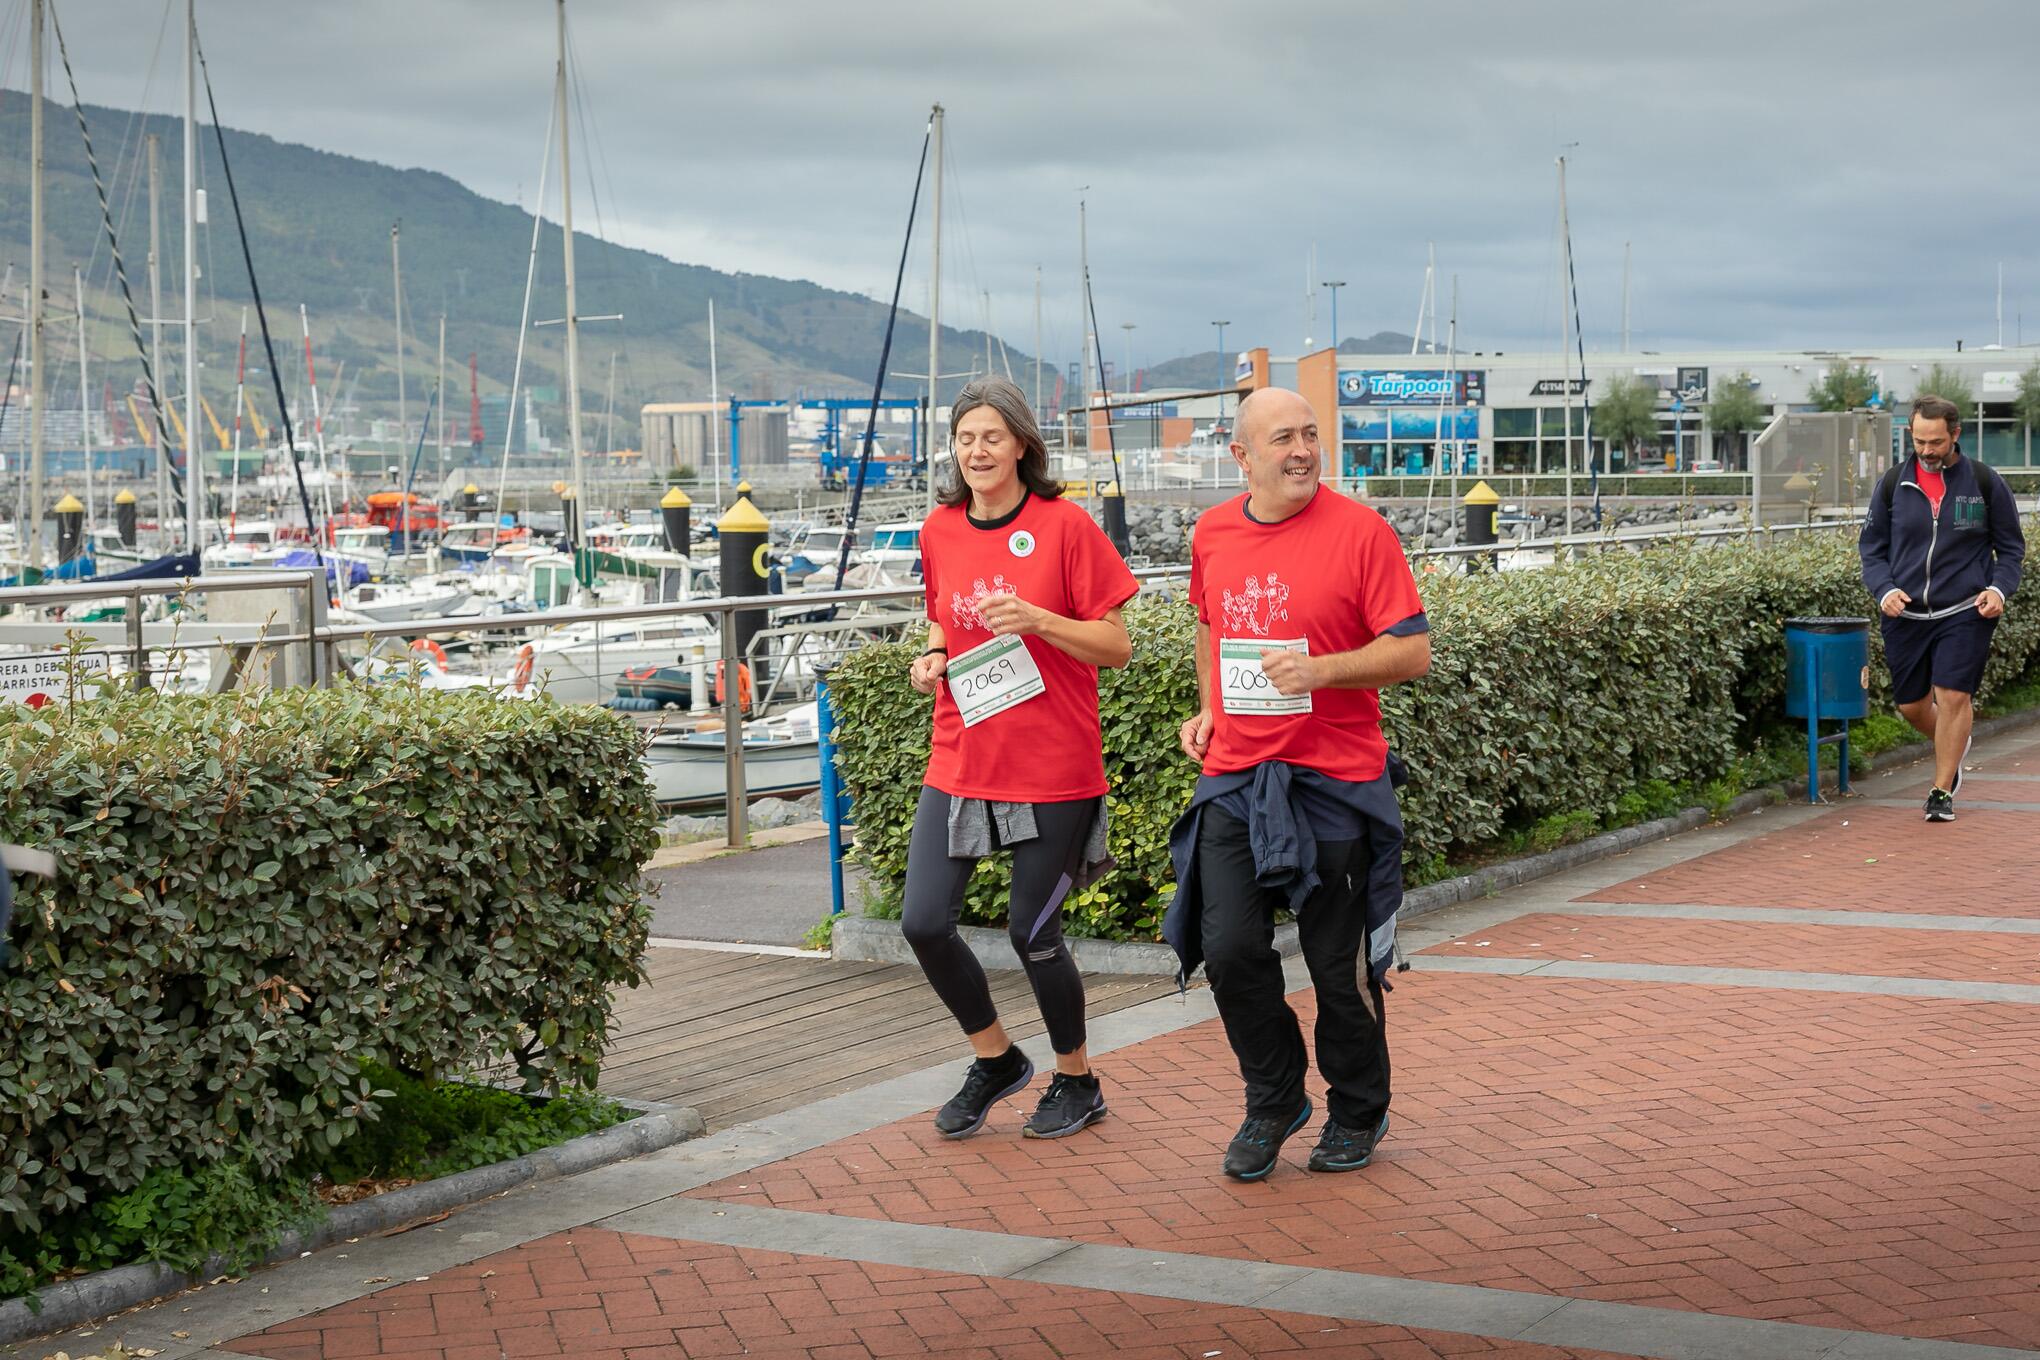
[[687, 771]]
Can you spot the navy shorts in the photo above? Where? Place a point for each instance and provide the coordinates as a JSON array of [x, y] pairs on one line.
[[1927, 654]]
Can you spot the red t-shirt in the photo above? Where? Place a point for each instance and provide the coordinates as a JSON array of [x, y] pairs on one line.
[[1334, 574], [1049, 553], [1934, 484]]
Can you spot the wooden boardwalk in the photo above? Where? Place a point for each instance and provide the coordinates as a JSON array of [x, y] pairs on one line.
[[740, 1036]]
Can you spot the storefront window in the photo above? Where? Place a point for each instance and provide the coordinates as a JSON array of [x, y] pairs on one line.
[[1365, 460], [1515, 455], [1515, 422]]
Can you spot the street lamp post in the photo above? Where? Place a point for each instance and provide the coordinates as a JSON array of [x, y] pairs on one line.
[[1224, 368], [1335, 285]]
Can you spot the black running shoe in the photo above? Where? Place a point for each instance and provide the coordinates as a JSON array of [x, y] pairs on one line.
[[1342, 1149], [1069, 1104], [1253, 1150], [986, 1084], [1940, 806]]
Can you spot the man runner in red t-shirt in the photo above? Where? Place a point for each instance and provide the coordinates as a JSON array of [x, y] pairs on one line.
[[1305, 608]]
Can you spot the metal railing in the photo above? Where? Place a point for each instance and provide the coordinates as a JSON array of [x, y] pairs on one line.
[[322, 640]]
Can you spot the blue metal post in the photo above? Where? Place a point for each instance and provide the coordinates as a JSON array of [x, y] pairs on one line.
[[832, 794], [1813, 724]]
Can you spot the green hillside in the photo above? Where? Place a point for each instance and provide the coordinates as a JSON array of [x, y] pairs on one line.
[[319, 224]]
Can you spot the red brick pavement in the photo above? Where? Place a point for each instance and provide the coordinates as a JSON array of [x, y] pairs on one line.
[[1861, 858], [1841, 1160], [596, 1295], [1957, 955]]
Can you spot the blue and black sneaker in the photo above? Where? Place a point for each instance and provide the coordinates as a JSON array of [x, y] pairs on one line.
[[989, 1081], [1253, 1150], [1340, 1148], [1940, 806]]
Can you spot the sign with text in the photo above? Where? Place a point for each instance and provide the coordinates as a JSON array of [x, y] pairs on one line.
[[46, 677], [1412, 387], [1558, 387]]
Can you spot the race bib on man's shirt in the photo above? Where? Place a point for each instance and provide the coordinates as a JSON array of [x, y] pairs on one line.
[[993, 677], [1244, 687]]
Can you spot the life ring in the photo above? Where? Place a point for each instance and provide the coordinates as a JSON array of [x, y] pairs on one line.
[[520, 679], [431, 649], [743, 685]]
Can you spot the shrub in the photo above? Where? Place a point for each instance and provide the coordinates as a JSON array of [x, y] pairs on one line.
[[261, 893], [1603, 691]]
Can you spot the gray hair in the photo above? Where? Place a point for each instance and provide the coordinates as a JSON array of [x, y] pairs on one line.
[[1006, 398]]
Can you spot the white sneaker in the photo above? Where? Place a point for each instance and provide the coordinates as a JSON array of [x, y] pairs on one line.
[[1957, 786]]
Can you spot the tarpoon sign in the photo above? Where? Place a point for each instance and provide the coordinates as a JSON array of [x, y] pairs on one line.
[[1419, 387]]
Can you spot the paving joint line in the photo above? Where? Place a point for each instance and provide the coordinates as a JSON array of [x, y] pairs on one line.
[[1386, 1300], [1780, 979], [1793, 916]]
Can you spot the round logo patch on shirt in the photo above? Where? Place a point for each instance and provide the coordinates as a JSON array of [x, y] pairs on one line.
[[1021, 544]]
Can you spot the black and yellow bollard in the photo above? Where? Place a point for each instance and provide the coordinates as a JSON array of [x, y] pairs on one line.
[[70, 529], [124, 517], [470, 499], [1115, 520], [1480, 530], [676, 511], [745, 537]]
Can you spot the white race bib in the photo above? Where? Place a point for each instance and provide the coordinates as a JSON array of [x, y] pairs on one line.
[[993, 677], [1244, 687]]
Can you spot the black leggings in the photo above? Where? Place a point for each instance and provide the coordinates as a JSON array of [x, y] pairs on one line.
[[1044, 871]]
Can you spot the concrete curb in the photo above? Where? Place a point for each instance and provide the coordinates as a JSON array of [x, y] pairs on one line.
[[877, 941], [73, 1303]]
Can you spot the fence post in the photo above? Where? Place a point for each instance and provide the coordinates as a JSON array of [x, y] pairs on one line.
[[735, 805], [833, 800]]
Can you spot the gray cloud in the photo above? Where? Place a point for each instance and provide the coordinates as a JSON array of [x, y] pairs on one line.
[[1787, 174]]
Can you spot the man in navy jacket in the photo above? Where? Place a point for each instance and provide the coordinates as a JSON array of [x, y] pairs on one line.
[[1941, 554]]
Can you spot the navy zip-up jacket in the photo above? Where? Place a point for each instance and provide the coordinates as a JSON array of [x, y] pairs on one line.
[[1943, 561]]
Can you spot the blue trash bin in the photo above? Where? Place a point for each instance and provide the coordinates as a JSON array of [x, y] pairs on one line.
[[1827, 675]]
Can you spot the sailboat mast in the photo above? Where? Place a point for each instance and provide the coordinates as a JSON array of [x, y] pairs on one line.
[[161, 395], [935, 309], [1565, 343], [714, 413], [84, 391], [31, 532], [240, 405], [573, 324], [1625, 297], [1037, 342], [440, 460], [194, 440], [397, 291]]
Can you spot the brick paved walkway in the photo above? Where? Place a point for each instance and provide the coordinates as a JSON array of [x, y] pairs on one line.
[[1766, 1090]]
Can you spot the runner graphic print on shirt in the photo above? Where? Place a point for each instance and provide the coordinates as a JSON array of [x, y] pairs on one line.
[[963, 610], [1256, 608]]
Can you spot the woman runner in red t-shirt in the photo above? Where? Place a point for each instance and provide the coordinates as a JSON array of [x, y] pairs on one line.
[[1024, 594]]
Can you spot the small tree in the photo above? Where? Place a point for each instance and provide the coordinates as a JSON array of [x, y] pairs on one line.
[[1736, 410], [2026, 406], [1626, 414], [1844, 387], [1949, 385]]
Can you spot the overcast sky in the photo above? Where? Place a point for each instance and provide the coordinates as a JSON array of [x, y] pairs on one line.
[[1790, 175]]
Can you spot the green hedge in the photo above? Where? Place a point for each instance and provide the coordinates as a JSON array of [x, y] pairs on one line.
[[1552, 694], [259, 894]]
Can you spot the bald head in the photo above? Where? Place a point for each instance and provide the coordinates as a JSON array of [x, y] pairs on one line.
[[1275, 442], [1271, 409]]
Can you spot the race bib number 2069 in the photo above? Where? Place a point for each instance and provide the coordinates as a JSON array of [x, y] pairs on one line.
[[1245, 688]]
